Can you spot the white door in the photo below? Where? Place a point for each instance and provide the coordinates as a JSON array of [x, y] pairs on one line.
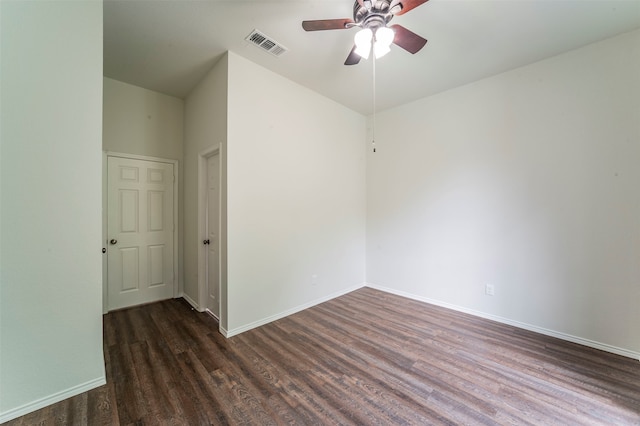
[[140, 231], [212, 241]]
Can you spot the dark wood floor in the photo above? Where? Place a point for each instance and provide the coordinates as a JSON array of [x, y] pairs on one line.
[[365, 358]]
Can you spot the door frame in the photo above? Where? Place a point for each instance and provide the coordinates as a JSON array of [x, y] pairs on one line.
[[203, 156], [105, 210]]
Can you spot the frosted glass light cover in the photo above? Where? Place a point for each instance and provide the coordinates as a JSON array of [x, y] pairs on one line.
[[379, 50], [362, 40], [384, 36]]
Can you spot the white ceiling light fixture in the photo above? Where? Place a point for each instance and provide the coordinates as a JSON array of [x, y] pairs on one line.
[[384, 38], [381, 40], [372, 17], [362, 40]]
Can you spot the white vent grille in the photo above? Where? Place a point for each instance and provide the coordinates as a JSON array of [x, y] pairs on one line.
[[266, 43]]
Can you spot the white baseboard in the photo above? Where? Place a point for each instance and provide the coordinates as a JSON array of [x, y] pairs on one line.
[[224, 331], [191, 302], [51, 399], [247, 327], [563, 336], [211, 314]]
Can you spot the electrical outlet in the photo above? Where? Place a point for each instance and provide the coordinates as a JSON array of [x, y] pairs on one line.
[[314, 279], [489, 290]]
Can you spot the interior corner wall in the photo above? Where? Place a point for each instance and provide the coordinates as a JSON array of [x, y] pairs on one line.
[[296, 196], [50, 271], [205, 121], [527, 181], [143, 122]]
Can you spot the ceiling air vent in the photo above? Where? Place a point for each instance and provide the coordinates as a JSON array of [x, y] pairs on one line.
[[266, 43]]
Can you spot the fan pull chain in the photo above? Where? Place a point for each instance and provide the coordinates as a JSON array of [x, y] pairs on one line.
[[373, 136]]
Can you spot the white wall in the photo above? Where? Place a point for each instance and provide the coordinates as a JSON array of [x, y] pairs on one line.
[[205, 128], [143, 122], [50, 270], [296, 196], [527, 181]]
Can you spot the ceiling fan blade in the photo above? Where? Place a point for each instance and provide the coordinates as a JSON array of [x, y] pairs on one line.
[[353, 57], [408, 5], [408, 40], [326, 24]]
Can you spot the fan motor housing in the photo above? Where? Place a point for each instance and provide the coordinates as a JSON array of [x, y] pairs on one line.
[[378, 15]]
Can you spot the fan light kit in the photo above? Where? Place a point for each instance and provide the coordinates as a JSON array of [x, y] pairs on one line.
[[382, 39], [372, 18]]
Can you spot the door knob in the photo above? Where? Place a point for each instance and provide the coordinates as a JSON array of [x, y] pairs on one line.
[[206, 242], [113, 241]]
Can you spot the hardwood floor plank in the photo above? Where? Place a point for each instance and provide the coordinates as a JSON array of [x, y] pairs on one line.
[[286, 388], [128, 393], [302, 371], [101, 407], [367, 357], [202, 389], [151, 382]]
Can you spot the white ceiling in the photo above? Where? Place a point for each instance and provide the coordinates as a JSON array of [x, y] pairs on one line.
[[169, 45]]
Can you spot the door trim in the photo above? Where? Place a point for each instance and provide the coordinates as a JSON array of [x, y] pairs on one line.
[[105, 210], [203, 156]]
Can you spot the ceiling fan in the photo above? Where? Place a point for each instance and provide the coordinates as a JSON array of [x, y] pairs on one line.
[[372, 17]]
